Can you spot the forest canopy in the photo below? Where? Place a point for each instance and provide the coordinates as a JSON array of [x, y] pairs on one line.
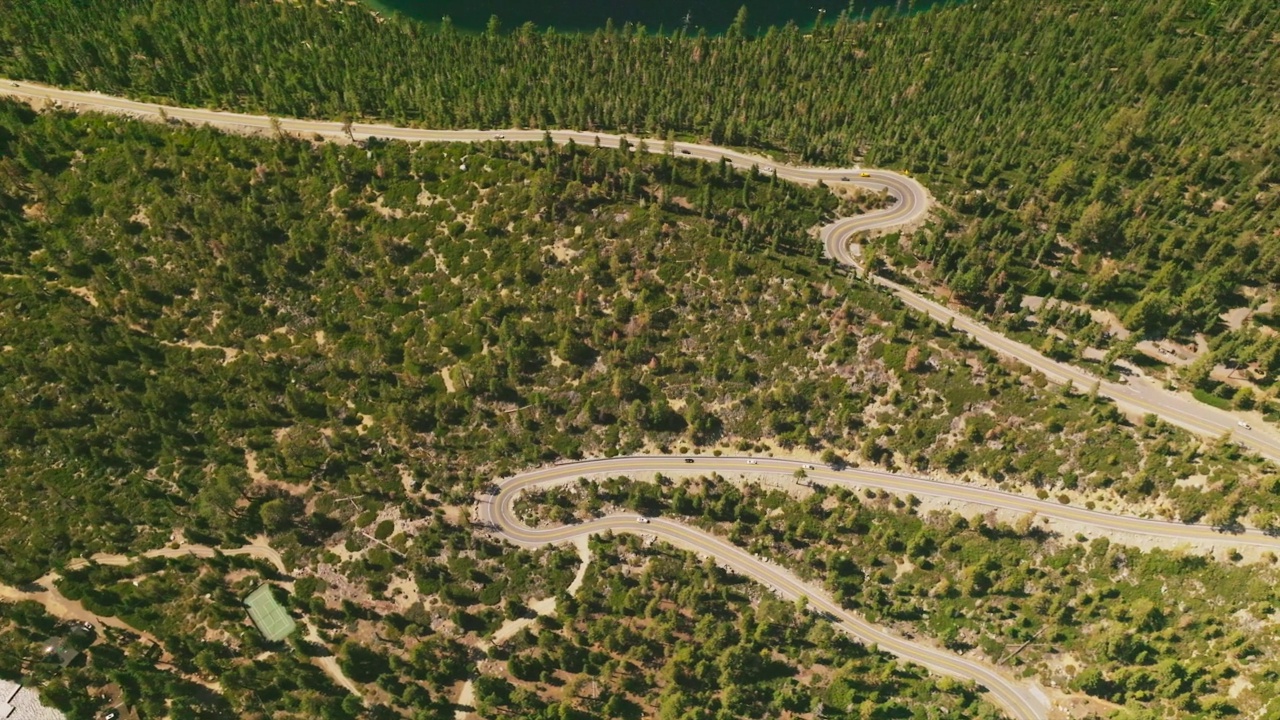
[[1118, 154], [194, 320], [325, 343]]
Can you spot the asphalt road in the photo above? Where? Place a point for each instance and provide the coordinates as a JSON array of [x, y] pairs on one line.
[[912, 204], [1021, 699], [1192, 536], [1136, 398]]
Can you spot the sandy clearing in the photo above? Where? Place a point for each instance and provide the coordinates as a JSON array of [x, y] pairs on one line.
[[228, 353], [259, 477], [560, 248], [509, 629], [403, 592], [85, 293]]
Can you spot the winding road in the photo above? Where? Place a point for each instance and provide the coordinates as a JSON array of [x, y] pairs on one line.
[[1136, 398], [1165, 532], [1022, 699], [912, 205]]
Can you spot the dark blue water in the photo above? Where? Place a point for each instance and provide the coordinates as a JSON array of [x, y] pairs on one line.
[[587, 15]]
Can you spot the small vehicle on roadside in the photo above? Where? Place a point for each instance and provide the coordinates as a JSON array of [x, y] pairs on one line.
[[684, 152], [642, 519], [753, 462], [688, 460], [1245, 425], [864, 174]]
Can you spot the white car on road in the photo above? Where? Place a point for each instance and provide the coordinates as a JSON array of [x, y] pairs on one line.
[[1245, 425]]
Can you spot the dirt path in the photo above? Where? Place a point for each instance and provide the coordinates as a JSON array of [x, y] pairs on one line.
[[66, 609], [45, 592], [466, 701], [258, 549], [509, 629], [329, 663]]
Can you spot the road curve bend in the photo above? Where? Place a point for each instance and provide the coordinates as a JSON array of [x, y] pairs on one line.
[[1021, 699], [911, 204]]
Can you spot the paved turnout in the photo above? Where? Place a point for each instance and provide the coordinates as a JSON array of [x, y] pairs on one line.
[[1020, 698]]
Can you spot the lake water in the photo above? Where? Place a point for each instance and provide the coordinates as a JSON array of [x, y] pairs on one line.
[[587, 15]]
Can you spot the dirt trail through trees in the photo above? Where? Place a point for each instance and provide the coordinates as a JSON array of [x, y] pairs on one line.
[[547, 606], [45, 592]]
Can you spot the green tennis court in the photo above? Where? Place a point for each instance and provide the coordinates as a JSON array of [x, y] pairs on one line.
[[269, 615]]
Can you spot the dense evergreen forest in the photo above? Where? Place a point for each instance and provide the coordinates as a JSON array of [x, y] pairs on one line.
[[194, 321], [1120, 153], [335, 345]]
